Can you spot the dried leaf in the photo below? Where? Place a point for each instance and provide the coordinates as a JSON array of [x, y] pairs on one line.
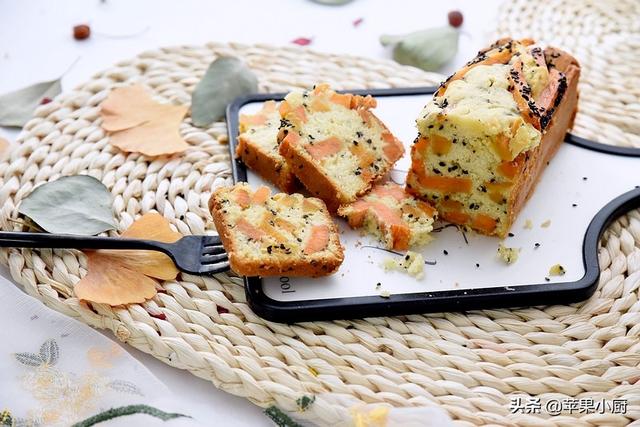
[[225, 80], [78, 204], [302, 41], [428, 49], [16, 108], [118, 277], [139, 124]]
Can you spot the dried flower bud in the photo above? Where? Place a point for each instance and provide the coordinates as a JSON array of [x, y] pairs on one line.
[[455, 18], [81, 32]]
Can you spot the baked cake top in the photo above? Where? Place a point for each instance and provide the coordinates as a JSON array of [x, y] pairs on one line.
[[507, 92]]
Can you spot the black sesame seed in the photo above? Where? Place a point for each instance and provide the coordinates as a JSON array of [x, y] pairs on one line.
[[574, 204], [511, 234], [445, 252]]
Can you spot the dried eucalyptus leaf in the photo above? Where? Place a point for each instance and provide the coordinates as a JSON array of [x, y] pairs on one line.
[[428, 49], [77, 204], [226, 79], [16, 108]]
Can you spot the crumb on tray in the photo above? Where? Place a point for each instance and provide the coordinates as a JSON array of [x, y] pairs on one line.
[[412, 263], [528, 224], [508, 255], [557, 270], [546, 224]]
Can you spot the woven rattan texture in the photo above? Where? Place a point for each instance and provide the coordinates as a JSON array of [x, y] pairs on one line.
[[471, 364], [604, 35]]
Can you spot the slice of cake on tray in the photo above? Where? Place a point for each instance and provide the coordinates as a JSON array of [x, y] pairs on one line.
[[258, 147], [334, 144], [393, 216], [489, 132], [271, 235]]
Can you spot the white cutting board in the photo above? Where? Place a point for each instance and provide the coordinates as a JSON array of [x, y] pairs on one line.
[[562, 186]]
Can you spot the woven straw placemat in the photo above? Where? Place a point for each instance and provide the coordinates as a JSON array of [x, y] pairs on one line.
[[470, 364]]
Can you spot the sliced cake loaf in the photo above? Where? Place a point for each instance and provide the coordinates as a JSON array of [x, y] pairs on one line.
[[283, 234], [335, 145], [393, 216], [489, 132], [258, 147]]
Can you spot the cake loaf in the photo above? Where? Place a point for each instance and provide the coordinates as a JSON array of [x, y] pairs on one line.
[[280, 234], [490, 130], [335, 145], [258, 147]]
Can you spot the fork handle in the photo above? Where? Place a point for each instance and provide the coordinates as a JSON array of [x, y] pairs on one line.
[[45, 240]]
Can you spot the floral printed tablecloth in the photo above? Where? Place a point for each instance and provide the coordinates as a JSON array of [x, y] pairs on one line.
[[55, 371]]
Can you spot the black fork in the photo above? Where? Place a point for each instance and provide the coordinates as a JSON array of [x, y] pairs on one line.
[[191, 254]]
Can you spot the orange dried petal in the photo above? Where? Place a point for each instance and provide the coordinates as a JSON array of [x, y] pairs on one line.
[[110, 283], [118, 277]]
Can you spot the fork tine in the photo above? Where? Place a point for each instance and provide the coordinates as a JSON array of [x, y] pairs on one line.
[[210, 241], [212, 250], [215, 268], [210, 259]]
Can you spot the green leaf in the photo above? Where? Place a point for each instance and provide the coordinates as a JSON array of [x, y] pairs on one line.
[[16, 108], [226, 79], [280, 418], [123, 411], [428, 49], [78, 204], [304, 402]]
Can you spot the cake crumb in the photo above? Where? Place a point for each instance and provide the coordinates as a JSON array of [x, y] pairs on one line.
[[528, 224], [508, 255], [412, 263], [557, 270], [546, 224], [223, 139], [385, 294]]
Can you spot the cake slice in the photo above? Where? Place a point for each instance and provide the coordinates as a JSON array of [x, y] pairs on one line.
[[258, 147], [283, 234], [335, 145], [393, 216], [490, 130]]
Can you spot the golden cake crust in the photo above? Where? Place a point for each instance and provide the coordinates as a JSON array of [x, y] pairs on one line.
[[263, 158]]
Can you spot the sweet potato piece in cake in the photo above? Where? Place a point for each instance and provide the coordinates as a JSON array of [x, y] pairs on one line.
[[335, 145], [283, 234], [489, 132], [258, 147], [393, 216]]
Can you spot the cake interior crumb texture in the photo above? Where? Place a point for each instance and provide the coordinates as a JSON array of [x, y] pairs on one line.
[[283, 234], [487, 133], [394, 217], [258, 147], [412, 263], [336, 146]]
